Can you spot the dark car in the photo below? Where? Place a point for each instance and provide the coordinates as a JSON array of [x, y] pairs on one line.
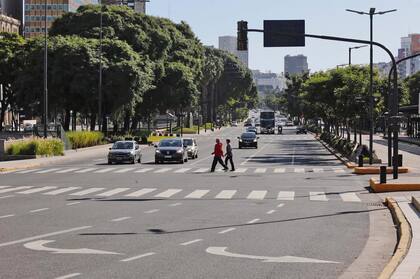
[[171, 150], [301, 130], [124, 151], [251, 130], [248, 139]]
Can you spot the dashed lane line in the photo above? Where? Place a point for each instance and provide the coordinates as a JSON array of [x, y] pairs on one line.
[[227, 230], [271, 211], [152, 211], [138, 257], [253, 221], [69, 276], [191, 242], [73, 203], [120, 219], [5, 197], [280, 205], [39, 210], [7, 216], [175, 204]]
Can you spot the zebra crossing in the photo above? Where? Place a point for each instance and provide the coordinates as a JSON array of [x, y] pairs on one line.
[[175, 170], [154, 193]]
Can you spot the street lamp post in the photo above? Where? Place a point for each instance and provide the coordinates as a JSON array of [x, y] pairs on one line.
[[45, 71], [351, 48], [100, 70], [371, 13]]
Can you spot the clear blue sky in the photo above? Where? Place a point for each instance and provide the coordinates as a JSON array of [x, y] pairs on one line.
[[212, 18]]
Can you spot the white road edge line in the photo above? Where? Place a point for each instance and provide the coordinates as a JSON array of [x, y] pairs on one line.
[[226, 231], [190, 242], [138, 257], [69, 276]]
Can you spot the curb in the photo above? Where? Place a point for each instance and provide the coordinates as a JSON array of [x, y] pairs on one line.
[[404, 238], [343, 160], [416, 203], [393, 187], [376, 170]]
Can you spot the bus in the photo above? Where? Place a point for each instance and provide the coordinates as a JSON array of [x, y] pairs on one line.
[[267, 122]]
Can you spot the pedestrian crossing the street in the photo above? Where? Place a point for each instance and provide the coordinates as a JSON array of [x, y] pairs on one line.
[[154, 193], [178, 170]]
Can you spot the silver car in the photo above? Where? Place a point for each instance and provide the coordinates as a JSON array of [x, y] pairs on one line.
[[191, 148], [124, 151]]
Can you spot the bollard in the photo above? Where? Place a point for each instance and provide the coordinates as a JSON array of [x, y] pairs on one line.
[[382, 175], [360, 160]]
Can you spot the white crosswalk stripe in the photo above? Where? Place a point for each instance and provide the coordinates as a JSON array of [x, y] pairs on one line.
[[141, 192], [260, 170], [286, 195], [113, 192], [202, 170], [86, 170], [257, 195], [241, 170], [317, 196], [14, 189], [143, 170], [318, 170], [226, 194], [27, 171], [279, 170], [67, 170], [197, 194], [61, 191], [124, 170], [339, 171], [299, 170], [87, 191], [36, 190], [183, 170], [48, 170], [104, 170], [163, 170], [2, 187], [168, 193], [350, 197]]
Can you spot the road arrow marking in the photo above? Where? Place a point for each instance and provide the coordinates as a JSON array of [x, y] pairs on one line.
[[221, 251], [39, 245]]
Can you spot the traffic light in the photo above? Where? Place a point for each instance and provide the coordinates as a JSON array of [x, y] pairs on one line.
[[242, 35]]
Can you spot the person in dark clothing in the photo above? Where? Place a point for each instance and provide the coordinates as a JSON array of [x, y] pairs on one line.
[[218, 155], [229, 155]]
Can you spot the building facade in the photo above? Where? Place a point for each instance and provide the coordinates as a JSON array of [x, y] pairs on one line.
[[268, 82], [295, 65], [34, 10], [229, 44], [139, 6], [9, 24], [13, 9], [409, 45]]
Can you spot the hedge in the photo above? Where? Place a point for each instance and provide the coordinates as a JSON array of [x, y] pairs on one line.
[[45, 147], [82, 139], [342, 145]]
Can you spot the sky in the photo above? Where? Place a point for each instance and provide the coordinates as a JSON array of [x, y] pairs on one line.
[[210, 19]]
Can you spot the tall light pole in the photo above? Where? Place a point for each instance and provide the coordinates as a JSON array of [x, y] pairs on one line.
[[100, 70], [45, 71], [351, 48], [371, 13]]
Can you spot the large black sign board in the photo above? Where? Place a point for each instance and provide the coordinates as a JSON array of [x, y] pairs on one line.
[[284, 33]]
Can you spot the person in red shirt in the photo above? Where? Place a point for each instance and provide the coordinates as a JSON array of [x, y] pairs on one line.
[[218, 155]]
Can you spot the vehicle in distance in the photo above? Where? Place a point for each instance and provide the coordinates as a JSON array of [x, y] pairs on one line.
[[252, 129], [289, 123], [191, 148], [301, 130], [234, 124], [248, 139], [124, 151], [171, 150], [267, 122]]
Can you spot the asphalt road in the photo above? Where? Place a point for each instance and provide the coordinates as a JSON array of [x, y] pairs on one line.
[[291, 210]]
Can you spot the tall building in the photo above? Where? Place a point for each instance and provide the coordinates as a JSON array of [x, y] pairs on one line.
[[295, 65], [139, 6], [230, 43], [409, 45], [34, 11]]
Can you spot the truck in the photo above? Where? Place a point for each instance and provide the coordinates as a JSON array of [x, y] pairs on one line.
[[267, 122]]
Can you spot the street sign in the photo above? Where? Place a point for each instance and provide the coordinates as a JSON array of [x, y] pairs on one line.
[[284, 33]]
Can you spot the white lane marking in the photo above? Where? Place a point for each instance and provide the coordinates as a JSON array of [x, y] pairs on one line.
[[191, 242], [350, 197], [286, 195], [113, 192], [87, 191], [48, 170], [141, 192], [73, 203], [120, 219], [241, 170], [7, 216], [175, 204], [183, 170], [317, 196], [67, 170], [202, 170], [61, 191], [197, 194], [163, 170], [124, 170], [152, 211], [15, 189], [271, 211], [104, 170], [226, 194], [227, 230], [39, 245], [253, 221], [43, 235], [2, 187], [138, 257], [318, 170], [299, 170], [279, 170], [39, 210], [69, 276], [168, 193], [143, 170], [260, 170], [36, 190], [221, 251], [5, 197], [339, 171], [257, 195], [280, 205], [86, 170], [27, 171]]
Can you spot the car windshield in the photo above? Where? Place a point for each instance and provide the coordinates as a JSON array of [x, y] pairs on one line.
[[122, 145], [248, 135], [170, 143], [188, 142]]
